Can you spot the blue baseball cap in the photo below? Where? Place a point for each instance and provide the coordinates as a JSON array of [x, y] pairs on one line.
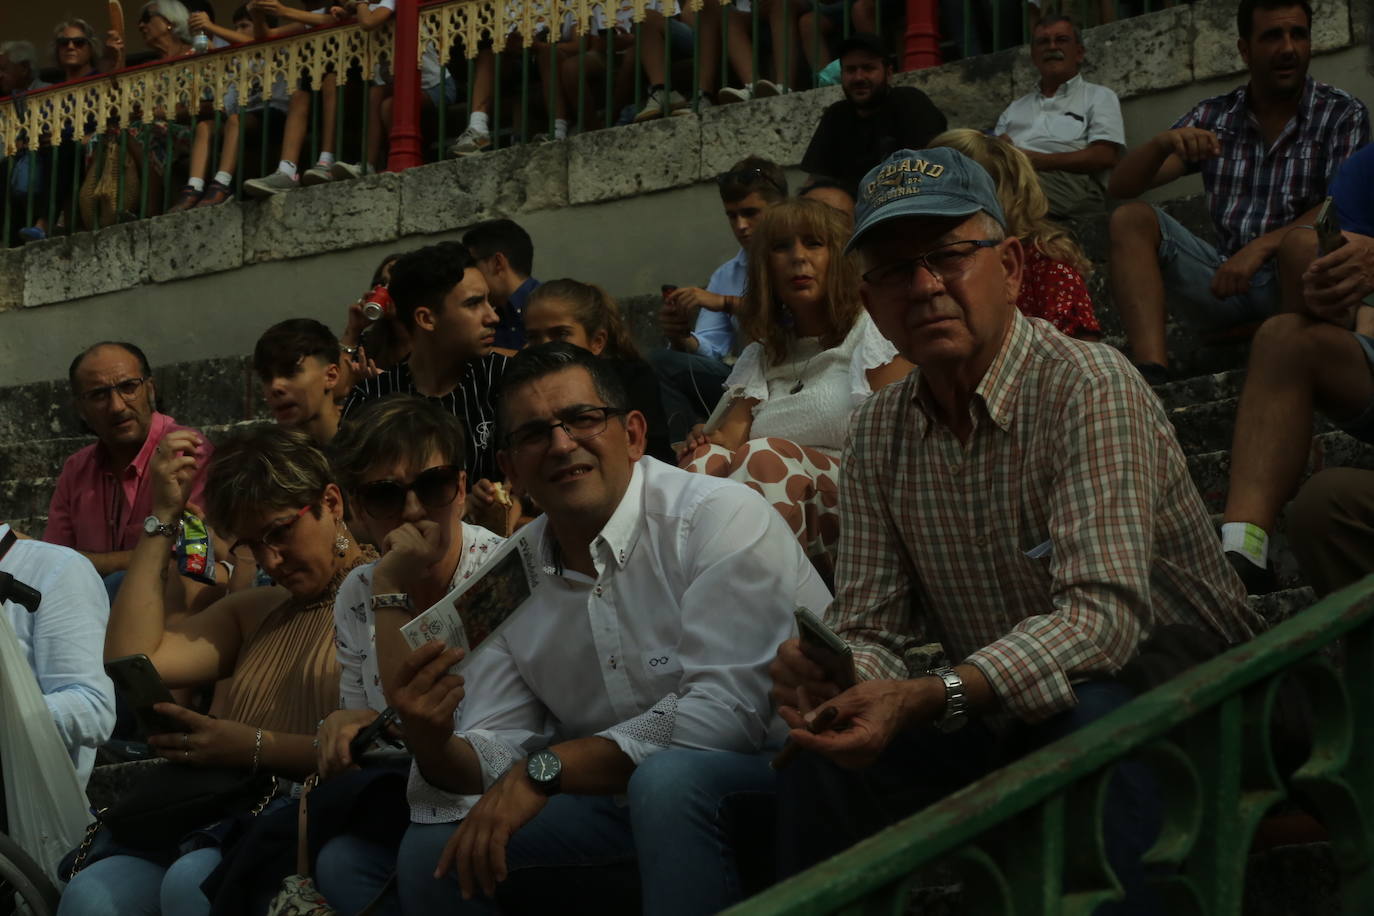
[[927, 182]]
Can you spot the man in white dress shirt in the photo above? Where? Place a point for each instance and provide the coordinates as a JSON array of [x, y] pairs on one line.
[[1070, 129], [625, 708]]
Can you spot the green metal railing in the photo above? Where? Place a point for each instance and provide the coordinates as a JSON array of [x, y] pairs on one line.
[[510, 49], [1027, 839]]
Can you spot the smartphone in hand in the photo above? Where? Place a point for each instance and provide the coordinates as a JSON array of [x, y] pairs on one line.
[[825, 648], [138, 682], [1328, 226]]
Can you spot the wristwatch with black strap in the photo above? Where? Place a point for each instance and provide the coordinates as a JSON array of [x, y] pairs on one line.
[[545, 770]]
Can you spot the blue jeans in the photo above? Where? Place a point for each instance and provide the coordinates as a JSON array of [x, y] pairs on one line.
[[690, 386], [678, 827], [823, 809], [129, 886], [1187, 264]]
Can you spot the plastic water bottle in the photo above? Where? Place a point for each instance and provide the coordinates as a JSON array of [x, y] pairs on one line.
[[200, 43]]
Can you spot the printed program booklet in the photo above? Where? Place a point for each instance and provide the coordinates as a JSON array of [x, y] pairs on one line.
[[480, 606]]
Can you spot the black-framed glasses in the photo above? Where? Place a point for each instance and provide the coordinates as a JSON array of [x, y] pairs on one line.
[[126, 389], [947, 262], [748, 177], [433, 487], [274, 537], [579, 423], [73, 42]]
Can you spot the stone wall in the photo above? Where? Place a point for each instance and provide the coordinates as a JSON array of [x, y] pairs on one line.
[[584, 190]]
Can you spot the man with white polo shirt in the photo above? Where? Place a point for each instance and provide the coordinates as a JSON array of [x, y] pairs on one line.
[[1069, 128]]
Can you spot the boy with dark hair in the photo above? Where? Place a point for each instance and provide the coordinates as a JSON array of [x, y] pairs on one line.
[[297, 361], [441, 298], [504, 253], [693, 368]]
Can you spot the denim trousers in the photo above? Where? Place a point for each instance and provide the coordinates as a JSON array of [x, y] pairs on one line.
[[130, 886], [669, 847], [824, 809]]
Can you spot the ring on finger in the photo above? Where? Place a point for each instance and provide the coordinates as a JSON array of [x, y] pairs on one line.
[[185, 739], [186, 755]]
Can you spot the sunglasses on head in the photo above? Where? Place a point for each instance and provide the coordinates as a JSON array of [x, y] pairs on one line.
[[434, 488], [77, 42], [748, 177]]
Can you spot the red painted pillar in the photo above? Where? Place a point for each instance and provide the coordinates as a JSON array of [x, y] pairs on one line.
[[922, 46], [405, 111]]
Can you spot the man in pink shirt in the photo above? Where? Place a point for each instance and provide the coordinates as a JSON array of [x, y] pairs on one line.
[[104, 494]]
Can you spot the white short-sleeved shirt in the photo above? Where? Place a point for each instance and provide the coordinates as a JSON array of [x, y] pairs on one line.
[[1079, 113], [360, 682], [833, 383]]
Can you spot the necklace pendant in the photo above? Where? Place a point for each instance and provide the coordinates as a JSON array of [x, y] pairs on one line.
[[797, 387]]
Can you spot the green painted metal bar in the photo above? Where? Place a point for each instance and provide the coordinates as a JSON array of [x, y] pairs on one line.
[[845, 26], [262, 139], [77, 149], [340, 88], [996, 28], [696, 64], [496, 100], [754, 41], [241, 162], [1218, 711], [167, 166], [639, 61], [786, 76], [367, 119], [32, 156], [119, 166], [815, 48], [725, 12], [9, 200], [54, 160], [314, 125], [667, 66], [215, 140], [966, 50], [554, 88], [144, 191], [444, 78], [581, 79], [610, 76], [525, 92]]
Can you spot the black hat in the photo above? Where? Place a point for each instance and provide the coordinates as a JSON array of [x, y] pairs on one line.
[[864, 41]]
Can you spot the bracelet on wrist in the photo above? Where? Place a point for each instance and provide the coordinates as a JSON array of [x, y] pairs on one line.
[[257, 750]]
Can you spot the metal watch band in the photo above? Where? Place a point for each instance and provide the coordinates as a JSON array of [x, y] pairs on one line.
[[154, 526], [955, 715], [393, 600]]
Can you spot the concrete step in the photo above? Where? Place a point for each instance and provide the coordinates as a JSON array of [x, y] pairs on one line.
[[1210, 470], [1210, 426], [1201, 389]]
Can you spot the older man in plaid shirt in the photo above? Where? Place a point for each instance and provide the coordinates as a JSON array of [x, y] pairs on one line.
[[1267, 152], [1020, 499]]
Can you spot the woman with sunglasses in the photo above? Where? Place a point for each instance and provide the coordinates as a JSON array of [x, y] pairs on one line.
[[401, 463], [816, 356], [271, 491], [76, 49], [166, 29]]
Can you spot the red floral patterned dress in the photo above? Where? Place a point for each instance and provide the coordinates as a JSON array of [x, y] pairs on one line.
[[1055, 291]]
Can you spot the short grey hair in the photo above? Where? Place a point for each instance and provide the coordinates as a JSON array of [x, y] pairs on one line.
[[1055, 20], [20, 52], [175, 12], [94, 43]]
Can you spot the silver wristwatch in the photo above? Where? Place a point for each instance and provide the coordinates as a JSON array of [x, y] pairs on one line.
[[393, 600], [152, 525], [955, 715]]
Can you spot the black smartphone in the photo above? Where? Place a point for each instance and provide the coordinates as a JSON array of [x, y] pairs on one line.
[[375, 731], [138, 682], [1328, 226], [822, 646]]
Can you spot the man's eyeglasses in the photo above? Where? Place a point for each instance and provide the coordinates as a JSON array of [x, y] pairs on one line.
[[749, 177], [273, 538], [125, 389], [434, 488], [77, 42], [579, 423], [948, 262]]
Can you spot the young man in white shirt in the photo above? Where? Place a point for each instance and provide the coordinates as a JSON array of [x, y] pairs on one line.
[[1070, 129], [627, 703]]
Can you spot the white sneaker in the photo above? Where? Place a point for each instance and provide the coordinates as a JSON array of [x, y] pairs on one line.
[[729, 95], [764, 89], [276, 183], [469, 143], [317, 174], [703, 102], [343, 171], [659, 103]]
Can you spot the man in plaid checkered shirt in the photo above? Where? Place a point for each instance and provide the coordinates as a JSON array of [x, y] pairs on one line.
[[1020, 499], [1267, 152]]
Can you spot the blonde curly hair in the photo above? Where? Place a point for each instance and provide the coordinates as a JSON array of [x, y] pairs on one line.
[[1018, 190]]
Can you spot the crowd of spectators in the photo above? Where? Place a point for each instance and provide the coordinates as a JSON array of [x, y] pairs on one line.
[[889, 407]]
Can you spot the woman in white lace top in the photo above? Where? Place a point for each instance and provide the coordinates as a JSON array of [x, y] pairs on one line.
[[816, 356]]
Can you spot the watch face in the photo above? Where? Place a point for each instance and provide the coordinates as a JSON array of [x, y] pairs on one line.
[[544, 766]]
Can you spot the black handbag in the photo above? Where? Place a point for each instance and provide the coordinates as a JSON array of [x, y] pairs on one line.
[[167, 801]]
